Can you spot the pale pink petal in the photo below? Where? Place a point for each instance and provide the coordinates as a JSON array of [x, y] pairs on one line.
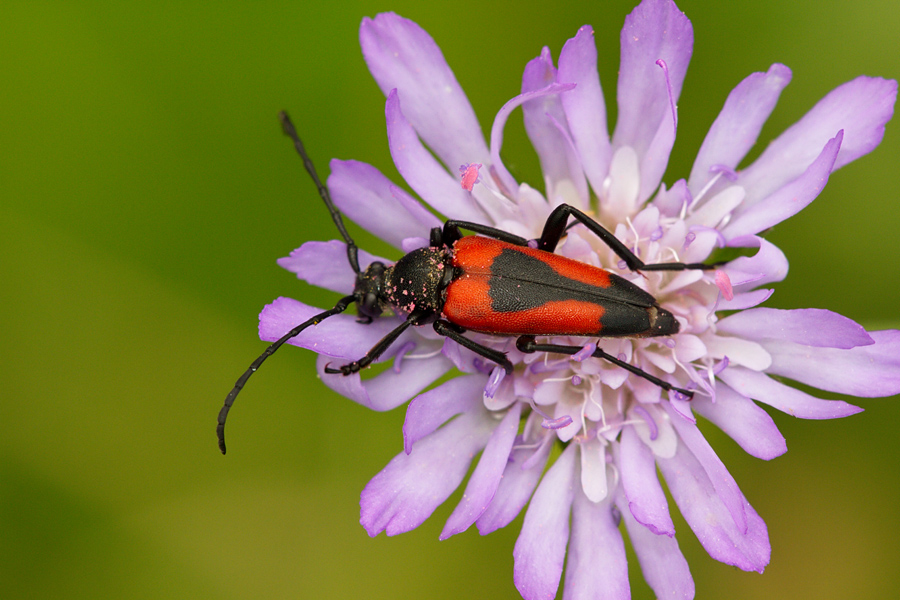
[[325, 264], [762, 388], [663, 565], [487, 475], [422, 171], [360, 190], [744, 422], [725, 486], [787, 201], [596, 566], [432, 409], [541, 547], [655, 30], [737, 127], [866, 371], [545, 123], [520, 477], [860, 108], [387, 390], [584, 106], [411, 486], [708, 517], [645, 496], [402, 55], [808, 326]]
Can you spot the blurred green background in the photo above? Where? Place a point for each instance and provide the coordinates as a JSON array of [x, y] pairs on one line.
[[146, 191]]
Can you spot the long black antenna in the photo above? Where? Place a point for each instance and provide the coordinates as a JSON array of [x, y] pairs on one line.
[[352, 251], [340, 307]]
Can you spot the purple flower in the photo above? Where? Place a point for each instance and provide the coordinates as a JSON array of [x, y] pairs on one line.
[[615, 430]]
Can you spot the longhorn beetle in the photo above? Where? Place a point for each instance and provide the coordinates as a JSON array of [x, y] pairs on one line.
[[495, 283]]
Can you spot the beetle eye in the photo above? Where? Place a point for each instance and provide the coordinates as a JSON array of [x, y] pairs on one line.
[[370, 306]]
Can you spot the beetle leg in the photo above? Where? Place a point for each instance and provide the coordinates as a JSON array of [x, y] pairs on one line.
[[527, 344], [378, 349], [446, 329], [452, 227], [555, 226]]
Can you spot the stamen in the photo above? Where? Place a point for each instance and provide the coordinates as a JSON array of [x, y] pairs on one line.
[[665, 68], [494, 381], [482, 367], [729, 173], [586, 351], [689, 238], [544, 366], [651, 423], [558, 423], [656, 235], [706, 188], [721, 365], [576, 380], [401, 354]]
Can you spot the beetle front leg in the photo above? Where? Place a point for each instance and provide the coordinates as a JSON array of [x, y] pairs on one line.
[[527, 344], [555, 226], [447, 329], [377, 350]]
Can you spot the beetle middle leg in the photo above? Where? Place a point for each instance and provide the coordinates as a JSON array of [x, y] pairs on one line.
[[555, 226], [528, 345], [447, 329]]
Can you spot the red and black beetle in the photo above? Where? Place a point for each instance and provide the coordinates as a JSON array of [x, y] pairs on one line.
[[495, 283]]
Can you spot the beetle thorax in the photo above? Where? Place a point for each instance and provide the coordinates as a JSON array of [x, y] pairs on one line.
[[417, 282]]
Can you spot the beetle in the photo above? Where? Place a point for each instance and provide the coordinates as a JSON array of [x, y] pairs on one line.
[[495, 283]]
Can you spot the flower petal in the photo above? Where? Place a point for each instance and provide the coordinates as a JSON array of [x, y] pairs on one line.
[[596, 567], [808, 326], [584, 106], [866, 371], [725, 486], [655, 30], [545, 123], [520, 477], [432, 409], [593, 470], [788, 200], [762, 388], [860, 108], [421, 171], [645, 496], [499, 171], [737, 127], [768, 265], [411, 486], [664, 567], [325, 264], [487, 475], [402, 55], [744, 422], [339, 336], [541, 547], [360, 190], [387, 390], [710, 519]]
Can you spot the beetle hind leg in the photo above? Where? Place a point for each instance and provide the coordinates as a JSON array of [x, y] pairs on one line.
[[556, 225], [528, 345]]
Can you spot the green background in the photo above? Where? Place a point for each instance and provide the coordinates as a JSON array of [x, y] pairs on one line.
[[146, 191]]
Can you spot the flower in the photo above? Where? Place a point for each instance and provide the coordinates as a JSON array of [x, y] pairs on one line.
[[614, 429]]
